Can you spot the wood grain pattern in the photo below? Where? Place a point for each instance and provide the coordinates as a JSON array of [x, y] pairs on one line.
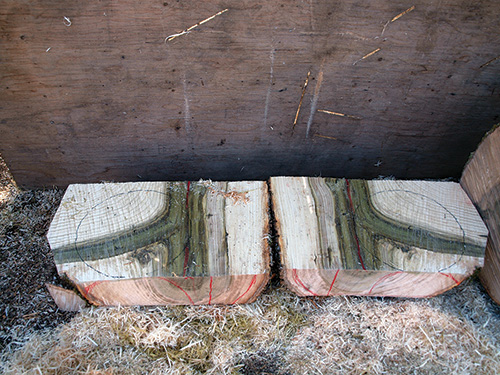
[[481, 180], [163, 242], [382, 237], [106, 98]]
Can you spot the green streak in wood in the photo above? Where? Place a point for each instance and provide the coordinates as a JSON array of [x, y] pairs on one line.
[[344, 224], [373, 227], [197, 260], [174, 238], [159, 230], [173, 263]]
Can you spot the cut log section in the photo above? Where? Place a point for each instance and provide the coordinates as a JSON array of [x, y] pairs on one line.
[[481, 180], [378, 238], [155, 243]]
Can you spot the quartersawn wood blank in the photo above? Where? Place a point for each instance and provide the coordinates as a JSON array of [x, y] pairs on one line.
[[481, 180], [378, 238], [152, 243]]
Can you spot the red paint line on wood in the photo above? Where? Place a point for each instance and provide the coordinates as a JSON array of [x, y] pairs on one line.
[[382, 279], [177, 286], [451, 277], [187, 193], [354, 224], [333, 282], [254, 280], [89, 288], [210, 293], [299, 282]]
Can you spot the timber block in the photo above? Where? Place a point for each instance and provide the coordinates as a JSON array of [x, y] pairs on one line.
[[155, 243], [481, 180], [377, 238]]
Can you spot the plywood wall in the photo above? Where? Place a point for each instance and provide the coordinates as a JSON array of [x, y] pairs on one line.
[[91, 91]]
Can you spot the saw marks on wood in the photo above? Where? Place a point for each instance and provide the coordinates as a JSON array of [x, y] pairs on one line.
[[382, 237], [154, 243]]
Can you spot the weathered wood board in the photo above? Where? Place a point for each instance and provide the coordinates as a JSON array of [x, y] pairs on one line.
[[151, 243], [92, 91], [379, 238], [481, 180]]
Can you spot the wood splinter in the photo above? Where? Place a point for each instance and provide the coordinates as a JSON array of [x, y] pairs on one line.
[[300, 102], [339, 114], [397, 17], [489, 62], [188, 30], [325, 136], [403, 13], [367, 55]]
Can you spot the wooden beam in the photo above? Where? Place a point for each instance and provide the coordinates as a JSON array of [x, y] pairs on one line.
[[150, 243], [481, 180], [380, 237]]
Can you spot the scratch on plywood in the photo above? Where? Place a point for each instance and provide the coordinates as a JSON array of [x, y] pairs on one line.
[[301, 99], [67, 22], [187, 112], [324, 136], [268, 95], [188, 30], [339, 114], [353, 35], [314, 102], [489, 62], [367, 55]]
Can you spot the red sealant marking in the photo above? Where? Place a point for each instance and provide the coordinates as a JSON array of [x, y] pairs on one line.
[[382, 279], [299, 282], [355, 235], [177, 286], [333, 282], [254, 280], [450, 276], [210, 293], [187, 193], [88, 289]]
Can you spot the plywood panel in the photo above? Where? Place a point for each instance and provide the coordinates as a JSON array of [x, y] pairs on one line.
[[103, 96]]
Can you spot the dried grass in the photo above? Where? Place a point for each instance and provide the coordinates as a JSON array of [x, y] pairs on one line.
[[279, 333]]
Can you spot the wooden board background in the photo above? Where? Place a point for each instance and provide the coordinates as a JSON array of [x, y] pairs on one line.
[[107, 99]]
